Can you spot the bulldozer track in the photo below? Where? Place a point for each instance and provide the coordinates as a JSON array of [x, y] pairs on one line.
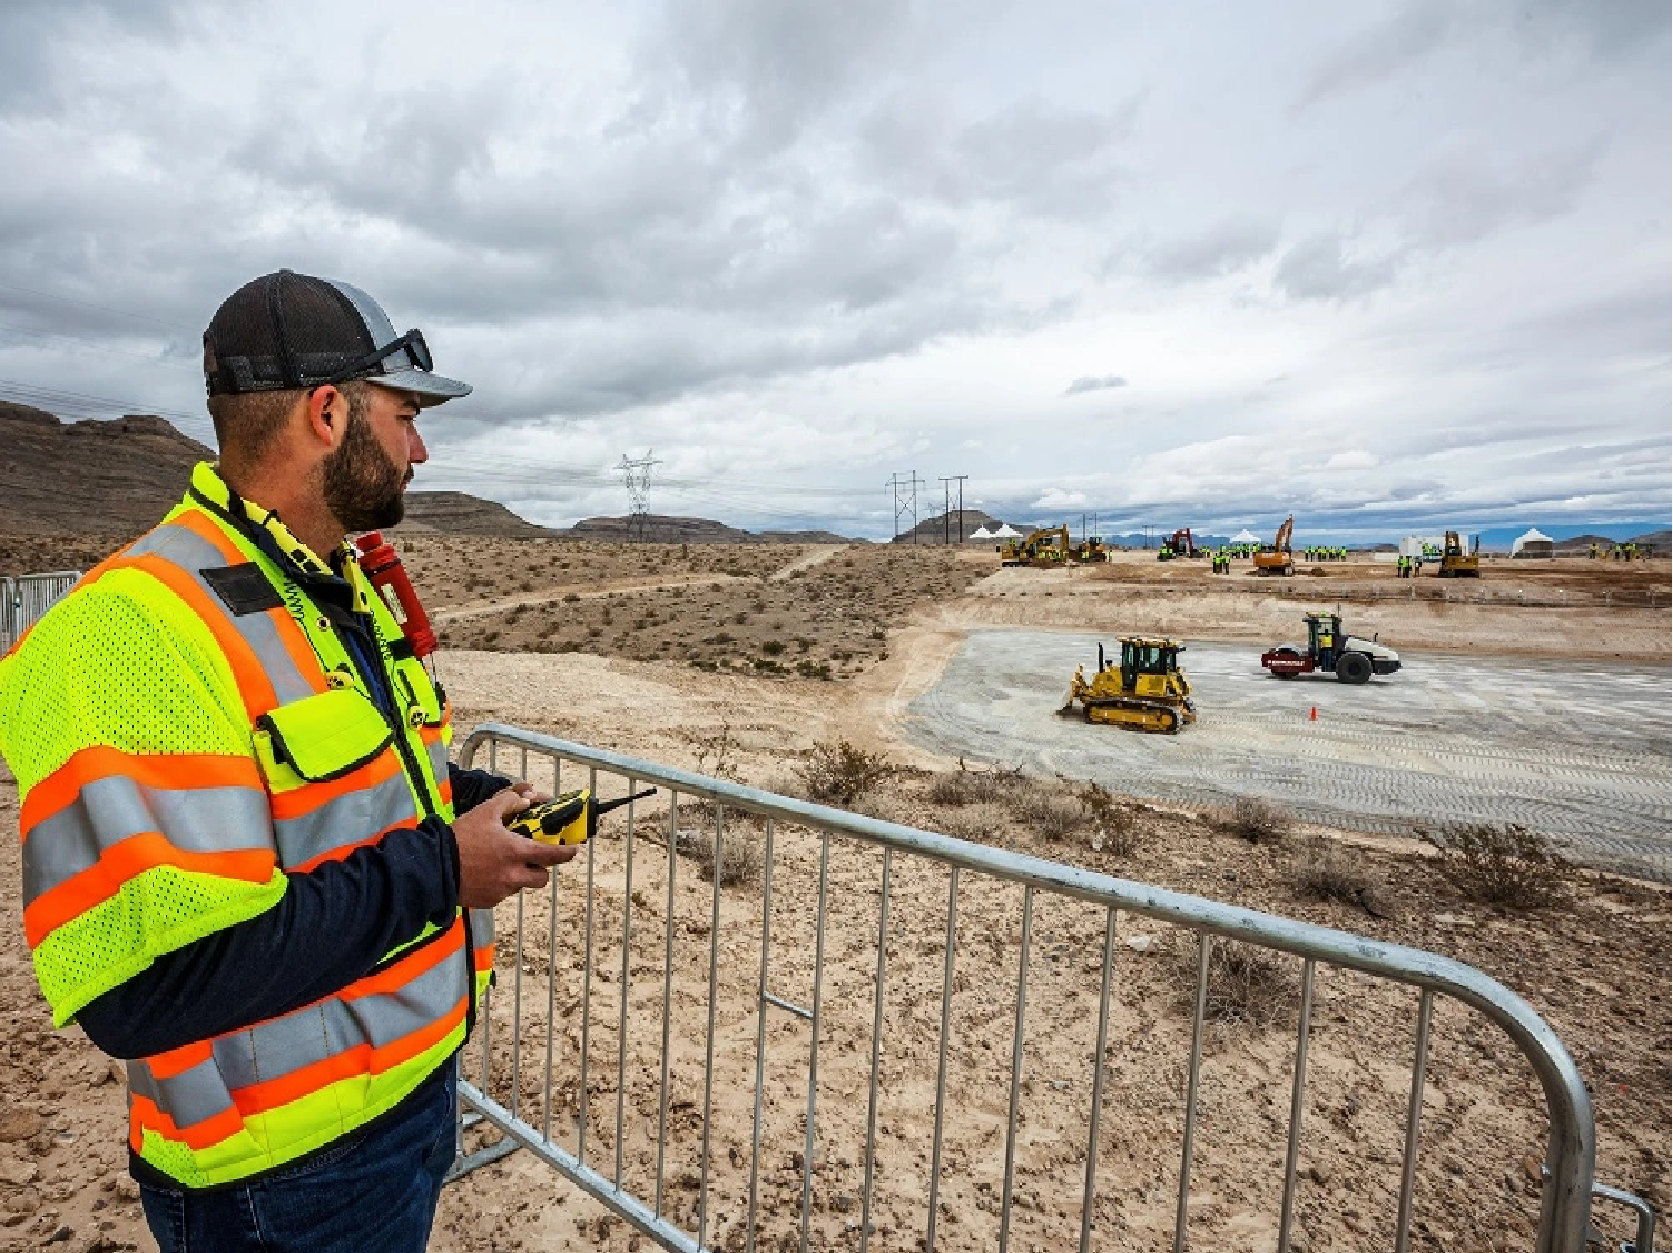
[[1579, 754]]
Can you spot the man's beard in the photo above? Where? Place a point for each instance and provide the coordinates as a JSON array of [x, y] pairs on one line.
[[363, 489]]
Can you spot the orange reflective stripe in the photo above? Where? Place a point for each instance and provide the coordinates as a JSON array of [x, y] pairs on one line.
[[121, 862], [393, 978], [167, 1065], [253, 683], [290, 634], [343, 850], [483, 957], [172, 771], [143, 1116], [362, 1059], [444, 789], [306, 799]]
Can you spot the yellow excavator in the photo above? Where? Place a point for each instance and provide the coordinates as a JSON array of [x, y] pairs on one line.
[[1457, 562], [1050, 547], [1277, 559], [1147, 691]]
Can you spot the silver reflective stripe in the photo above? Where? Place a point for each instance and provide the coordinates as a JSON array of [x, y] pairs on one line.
[[109, 810], [438, 762], [189, 1097], [348, 819], [274, 1049], [482, 927], [176, 544]]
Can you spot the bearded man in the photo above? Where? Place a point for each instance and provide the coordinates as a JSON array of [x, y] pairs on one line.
[[249, 867]]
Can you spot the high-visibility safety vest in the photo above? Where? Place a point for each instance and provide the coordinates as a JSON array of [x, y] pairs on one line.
[[186, 727]]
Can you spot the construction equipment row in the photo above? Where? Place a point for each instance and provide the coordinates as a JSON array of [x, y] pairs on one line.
[[1147, 691]]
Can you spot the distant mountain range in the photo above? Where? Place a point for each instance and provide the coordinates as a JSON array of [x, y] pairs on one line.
[[117, 478]]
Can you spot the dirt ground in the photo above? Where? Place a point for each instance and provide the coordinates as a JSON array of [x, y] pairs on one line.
[[1595, 965]]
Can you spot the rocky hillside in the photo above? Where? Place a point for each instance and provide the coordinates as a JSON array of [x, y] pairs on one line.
[[114, 479], [105, 478]]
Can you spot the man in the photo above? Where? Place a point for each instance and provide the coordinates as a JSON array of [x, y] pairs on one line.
[[248, 865]]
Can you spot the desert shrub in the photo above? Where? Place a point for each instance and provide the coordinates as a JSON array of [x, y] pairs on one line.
[[813, 669], [1321, 872], [842, 772], [1050, 815], [773, 647], [965, 786], [741, 853], [1502, 865], [1258, 821], [717, 752], [1114, 826], [1246, 983]]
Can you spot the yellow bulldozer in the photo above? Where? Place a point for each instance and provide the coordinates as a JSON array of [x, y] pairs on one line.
[[1146, 691], [1457, 562]]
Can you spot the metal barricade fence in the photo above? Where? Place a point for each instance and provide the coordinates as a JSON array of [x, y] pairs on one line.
[[529, 1074], [27, 598]]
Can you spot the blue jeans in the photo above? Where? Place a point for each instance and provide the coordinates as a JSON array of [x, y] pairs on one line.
[[371, 1192]]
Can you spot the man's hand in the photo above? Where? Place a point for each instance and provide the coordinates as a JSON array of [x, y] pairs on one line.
[[495, 863]]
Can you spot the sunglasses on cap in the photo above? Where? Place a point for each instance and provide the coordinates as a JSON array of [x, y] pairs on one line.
[[412, 343]]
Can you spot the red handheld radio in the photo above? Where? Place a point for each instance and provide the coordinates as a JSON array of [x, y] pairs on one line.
[[382, 565]]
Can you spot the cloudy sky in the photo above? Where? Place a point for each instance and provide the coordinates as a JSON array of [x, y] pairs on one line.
[[1387, 265]]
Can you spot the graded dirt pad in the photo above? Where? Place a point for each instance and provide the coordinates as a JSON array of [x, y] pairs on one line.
[[1581, 753], [1595, 966], [1268, 611]]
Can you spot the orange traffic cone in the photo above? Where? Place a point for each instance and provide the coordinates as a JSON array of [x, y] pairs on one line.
[[1314, 716]]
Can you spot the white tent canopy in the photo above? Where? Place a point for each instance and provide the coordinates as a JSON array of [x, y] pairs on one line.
[[1244, 537], [1533, 536], [981, 532], [1005, 532]]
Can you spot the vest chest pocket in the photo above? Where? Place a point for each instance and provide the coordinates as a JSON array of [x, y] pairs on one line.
[[320, 738], [334, 779]]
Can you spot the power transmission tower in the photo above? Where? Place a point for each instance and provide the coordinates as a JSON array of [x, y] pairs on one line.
[[637, 473], [959, 478], [910, 489], [946, 509]]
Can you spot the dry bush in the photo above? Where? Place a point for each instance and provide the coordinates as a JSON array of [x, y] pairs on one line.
[[717, 753], [1048, 814], [1320, 872], [1115, 828], [842, 772], [984, 822], [1246, 983], [973, 787], [1258, 821], [1503, 865], [741, 853]]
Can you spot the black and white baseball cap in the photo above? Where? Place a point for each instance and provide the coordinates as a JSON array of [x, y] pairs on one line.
[[287, 330]]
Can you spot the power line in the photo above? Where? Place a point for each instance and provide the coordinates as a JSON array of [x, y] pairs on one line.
[[637, 472], [88, 304]]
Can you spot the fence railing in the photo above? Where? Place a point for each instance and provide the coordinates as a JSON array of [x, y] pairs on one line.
[[646, 1136], [28, 597]]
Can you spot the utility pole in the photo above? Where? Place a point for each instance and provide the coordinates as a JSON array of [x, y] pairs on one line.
[[960, 479], [637, 472], [910, 489]]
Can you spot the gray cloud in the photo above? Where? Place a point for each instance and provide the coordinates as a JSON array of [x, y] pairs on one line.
[[1319, 268], [1094, 383], [840, 241]]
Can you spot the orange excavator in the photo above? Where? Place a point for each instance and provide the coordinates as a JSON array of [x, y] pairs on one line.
[[1277, 559]]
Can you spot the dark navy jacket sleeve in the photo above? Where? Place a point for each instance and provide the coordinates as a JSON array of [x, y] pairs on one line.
[[472, 787], [332, 926]]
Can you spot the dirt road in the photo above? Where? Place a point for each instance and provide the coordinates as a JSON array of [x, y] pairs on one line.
[[1581, 754]]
